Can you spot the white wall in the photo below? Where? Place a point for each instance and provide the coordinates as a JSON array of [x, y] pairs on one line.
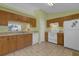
[[42, 30], [41, 24]]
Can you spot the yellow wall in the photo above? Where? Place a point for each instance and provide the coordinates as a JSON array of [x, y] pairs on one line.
[[23, 25], [61, 14], [3, 29], [14, 10], [38, 14]]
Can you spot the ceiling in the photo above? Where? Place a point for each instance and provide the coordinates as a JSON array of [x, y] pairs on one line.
[[31, 8], [57, 7]]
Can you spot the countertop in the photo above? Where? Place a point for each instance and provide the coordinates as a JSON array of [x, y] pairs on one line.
[[14, 33]]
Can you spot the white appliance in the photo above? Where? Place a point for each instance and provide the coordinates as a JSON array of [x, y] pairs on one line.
[[52, 37], [52, 34], [35, 37], [71, 34]]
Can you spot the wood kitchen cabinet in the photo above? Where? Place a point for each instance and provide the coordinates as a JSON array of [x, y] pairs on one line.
[[20, 42], [3, 18], [15, 17], [7, 16], [24, 40], [5, 45], [12, 43], [1, 46], [12, 17], [28, 39], [46, 36], [62, 19], [60, 38], [61, 24], [32, 22], [20, 18]]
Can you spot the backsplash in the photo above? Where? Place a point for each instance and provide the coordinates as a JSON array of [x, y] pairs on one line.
[[3, 29], [24, 27]]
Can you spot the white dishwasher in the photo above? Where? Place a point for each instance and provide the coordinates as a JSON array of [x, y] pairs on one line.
[[52, 37]]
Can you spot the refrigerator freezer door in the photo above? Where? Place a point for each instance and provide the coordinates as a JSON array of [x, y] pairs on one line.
[[71, 35], [71, 39]]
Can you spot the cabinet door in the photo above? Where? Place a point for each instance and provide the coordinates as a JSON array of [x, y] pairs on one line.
[[3, 18], [5, 45], [60, 38], [32, 22], [1, 46], [28, 39], [12, 43], [20, 42], [12, 17], [46, 36]]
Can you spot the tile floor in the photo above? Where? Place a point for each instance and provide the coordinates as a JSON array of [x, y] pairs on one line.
[[43, 49]]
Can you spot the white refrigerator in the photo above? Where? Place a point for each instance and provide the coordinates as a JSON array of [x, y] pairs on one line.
[[71, 34]]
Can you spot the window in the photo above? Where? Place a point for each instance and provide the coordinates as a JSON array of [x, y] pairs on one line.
[[14, 27]]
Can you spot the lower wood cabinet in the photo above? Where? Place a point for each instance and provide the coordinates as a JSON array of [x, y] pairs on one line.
[[20, 42], [46, 36], [3, 45], [14, 42], [28, 39], [0, 45], [23, 40], [60, 38]]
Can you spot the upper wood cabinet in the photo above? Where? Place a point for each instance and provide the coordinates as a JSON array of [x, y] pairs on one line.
[[12, 17], [61, 23], [20, 18], [32, 22], [62, 19], [25, 19], [7, 16], [3, 18]]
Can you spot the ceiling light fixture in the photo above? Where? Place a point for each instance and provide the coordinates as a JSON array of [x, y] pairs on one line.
[[50, 4]]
